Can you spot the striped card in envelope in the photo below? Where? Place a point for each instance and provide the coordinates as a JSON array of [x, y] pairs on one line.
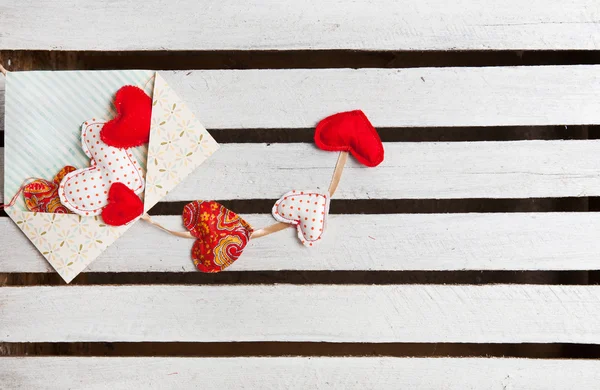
[[47, 119]]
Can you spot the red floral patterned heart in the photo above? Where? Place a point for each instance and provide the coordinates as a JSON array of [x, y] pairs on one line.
[[123, 205], [350, 132], [131, 126], [41, 195], [222, 235]]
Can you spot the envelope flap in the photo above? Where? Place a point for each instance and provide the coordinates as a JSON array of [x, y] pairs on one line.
[[178, 143], [68, 241]]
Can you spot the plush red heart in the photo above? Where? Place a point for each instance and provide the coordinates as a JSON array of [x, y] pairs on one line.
[[123, 205], [131, 126], [350, 132]]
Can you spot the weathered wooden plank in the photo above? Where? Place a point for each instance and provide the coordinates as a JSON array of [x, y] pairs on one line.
[[411, 170], [492, 96], [2, 95], [297, 373], [277, 25], [536, 241], [519, 169], [331, 313]]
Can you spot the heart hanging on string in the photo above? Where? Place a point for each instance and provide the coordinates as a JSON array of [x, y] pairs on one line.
[[307, 210], [222, 235], [123, 205], [350, 132]]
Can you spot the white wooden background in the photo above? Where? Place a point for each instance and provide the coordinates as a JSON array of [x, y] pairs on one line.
[[272, 99], [350, 313], [311, 24], [299, 373]]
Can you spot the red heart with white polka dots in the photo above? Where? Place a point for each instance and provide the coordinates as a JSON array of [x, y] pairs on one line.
[[305, 209]]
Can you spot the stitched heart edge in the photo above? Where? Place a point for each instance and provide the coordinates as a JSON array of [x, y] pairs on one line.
[[357, 114], [305, 241]]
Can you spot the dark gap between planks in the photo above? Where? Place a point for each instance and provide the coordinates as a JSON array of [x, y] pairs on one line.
[[304, 278], [408, 206], [418, 134], [305, 349], [412, 134], [286, 59], [405, 206]]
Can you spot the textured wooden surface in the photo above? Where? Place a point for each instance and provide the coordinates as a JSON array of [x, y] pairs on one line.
[[317, 313], [314, 24], [398, 242], [411, 170], [420, 170], [497, 102], [299, 98], [298, 373]]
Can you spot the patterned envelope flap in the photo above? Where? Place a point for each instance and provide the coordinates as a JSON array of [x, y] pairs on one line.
[[178, 144], [68, 241]]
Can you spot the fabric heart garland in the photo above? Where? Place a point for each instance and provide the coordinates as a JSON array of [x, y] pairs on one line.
[[110, 185], [221, 235], [347, 132]]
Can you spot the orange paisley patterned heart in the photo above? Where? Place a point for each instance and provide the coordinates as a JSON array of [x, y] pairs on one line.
[[41, 195]]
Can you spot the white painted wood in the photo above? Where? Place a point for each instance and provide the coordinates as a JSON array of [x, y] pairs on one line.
[[518, 169], [492, 96], [2, 167], [297, 373], [411, 170], [2, 94], [330, 313], [313, 24], [536, 241]]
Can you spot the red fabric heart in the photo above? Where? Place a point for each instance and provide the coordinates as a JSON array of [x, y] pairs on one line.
[[222, 235], [123, 205], [350, 132], [131, 126]]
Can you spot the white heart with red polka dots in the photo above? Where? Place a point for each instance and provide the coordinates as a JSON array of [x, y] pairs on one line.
[[307, 210], [85, 191]]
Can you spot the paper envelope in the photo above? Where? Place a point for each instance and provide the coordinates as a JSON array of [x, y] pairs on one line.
[[43, 117]]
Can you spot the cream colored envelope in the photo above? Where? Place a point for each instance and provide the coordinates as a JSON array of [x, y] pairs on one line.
[[43, 117]]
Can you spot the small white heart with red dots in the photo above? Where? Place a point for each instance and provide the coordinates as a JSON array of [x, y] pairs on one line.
[[307, 210], [85, 191]]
